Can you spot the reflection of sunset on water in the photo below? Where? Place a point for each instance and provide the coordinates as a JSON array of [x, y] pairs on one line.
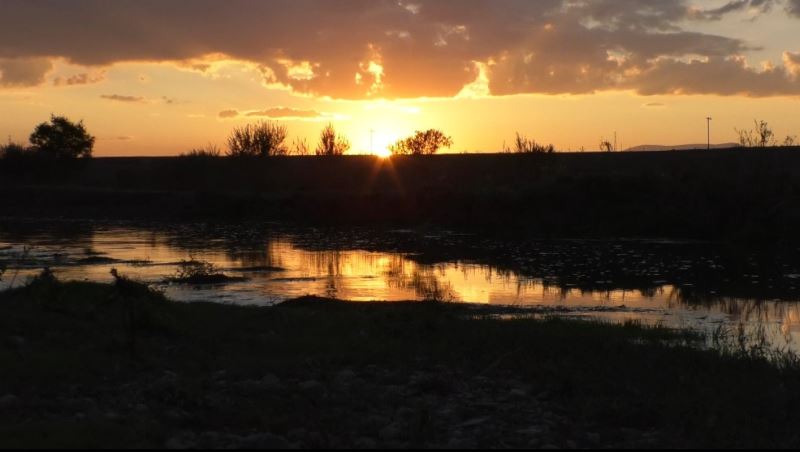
[[279, 268]]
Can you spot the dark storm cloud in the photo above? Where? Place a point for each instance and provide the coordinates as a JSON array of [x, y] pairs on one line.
[[759, 6], [22, 72], [400, 48], [793, 7]]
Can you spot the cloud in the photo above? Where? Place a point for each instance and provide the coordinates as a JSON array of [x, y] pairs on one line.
[[755, 7], [122, 98], [791, 60], [23, 71], [273, 113], [80, 79], [142, 100], [720, 76], [225, 114], [793, 7], [362, 49], [655, 105], [285, 113]]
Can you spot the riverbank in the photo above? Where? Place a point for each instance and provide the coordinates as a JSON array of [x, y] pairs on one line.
[[732, 194], [322, 373]]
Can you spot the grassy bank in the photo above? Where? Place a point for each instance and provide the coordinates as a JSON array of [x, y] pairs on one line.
[[319, 373], [742, 193]]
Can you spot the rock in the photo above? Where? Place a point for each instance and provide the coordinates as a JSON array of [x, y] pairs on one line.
[[263, 441]]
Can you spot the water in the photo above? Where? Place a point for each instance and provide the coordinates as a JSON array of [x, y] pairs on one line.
[[681, 284]]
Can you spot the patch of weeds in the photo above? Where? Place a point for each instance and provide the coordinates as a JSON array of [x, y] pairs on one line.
[[200, 272]]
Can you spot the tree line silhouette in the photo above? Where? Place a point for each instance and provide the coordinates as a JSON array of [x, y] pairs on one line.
[[60, 138]]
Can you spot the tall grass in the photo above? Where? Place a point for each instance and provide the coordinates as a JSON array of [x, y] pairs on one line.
[[209, 151], [525, 145]]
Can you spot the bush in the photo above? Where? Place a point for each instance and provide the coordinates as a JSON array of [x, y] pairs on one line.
[[760, 136], [62, 138], [300, 147], [421, 143], [263, 139], [330, 143], [525, 145], [13, 150]]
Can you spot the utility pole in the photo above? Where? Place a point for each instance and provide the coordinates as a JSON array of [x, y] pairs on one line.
[[615, 141], [708, 130]]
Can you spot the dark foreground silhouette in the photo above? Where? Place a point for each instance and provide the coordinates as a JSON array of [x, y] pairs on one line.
[[718, 194], [92, 365]]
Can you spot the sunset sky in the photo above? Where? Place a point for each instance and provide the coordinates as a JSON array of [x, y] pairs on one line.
[[160, 77]]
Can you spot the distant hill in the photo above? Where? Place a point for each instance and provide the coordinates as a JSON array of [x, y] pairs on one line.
[[680, 147]]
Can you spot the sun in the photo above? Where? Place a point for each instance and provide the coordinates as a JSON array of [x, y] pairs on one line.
[[383, 153], [381, 141]]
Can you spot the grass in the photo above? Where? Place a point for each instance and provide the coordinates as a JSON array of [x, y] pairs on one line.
[[119, 365], [738, 194]]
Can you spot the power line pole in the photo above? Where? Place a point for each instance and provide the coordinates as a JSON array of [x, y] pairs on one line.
[[708, 130]]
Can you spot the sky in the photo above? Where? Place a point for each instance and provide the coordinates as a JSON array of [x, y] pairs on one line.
[[160, 77]]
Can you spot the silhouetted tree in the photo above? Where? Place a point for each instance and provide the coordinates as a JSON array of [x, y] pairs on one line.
[[263, 139], [62, 138], [606, 145], [330, 143], [427, 142]]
